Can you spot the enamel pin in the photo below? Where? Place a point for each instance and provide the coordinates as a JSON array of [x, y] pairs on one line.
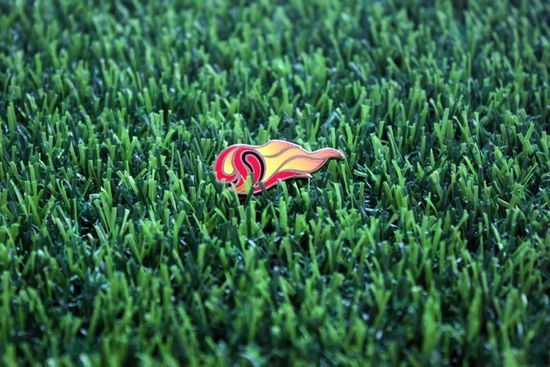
[[268, 163]]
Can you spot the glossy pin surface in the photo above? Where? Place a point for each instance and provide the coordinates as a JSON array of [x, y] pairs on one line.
[[267, 164]]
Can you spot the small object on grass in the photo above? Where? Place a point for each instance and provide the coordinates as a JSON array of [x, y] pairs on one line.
[[266, 164]]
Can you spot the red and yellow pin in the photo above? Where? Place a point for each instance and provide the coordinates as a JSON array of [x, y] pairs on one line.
[[268, 163]]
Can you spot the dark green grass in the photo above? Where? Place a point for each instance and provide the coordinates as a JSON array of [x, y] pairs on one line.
[[429, 245]]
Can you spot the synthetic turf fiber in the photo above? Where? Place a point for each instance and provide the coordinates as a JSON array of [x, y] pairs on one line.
[[428, 245]]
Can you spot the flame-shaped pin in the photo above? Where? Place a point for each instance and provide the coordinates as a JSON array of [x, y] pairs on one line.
[[269, 163]]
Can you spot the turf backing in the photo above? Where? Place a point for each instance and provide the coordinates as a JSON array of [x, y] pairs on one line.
[[429, 245]]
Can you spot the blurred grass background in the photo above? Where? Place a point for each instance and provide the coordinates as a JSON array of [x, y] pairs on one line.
[[429, 245]]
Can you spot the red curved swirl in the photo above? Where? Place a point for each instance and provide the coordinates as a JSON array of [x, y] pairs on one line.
[[246, 161], [218, 166]]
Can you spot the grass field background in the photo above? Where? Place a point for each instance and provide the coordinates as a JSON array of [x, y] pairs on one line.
[[429, 245]]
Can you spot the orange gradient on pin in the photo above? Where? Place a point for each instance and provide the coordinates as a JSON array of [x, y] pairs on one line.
[[268, 164]]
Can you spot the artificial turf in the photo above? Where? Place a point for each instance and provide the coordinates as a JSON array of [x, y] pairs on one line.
[[428, 245]]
